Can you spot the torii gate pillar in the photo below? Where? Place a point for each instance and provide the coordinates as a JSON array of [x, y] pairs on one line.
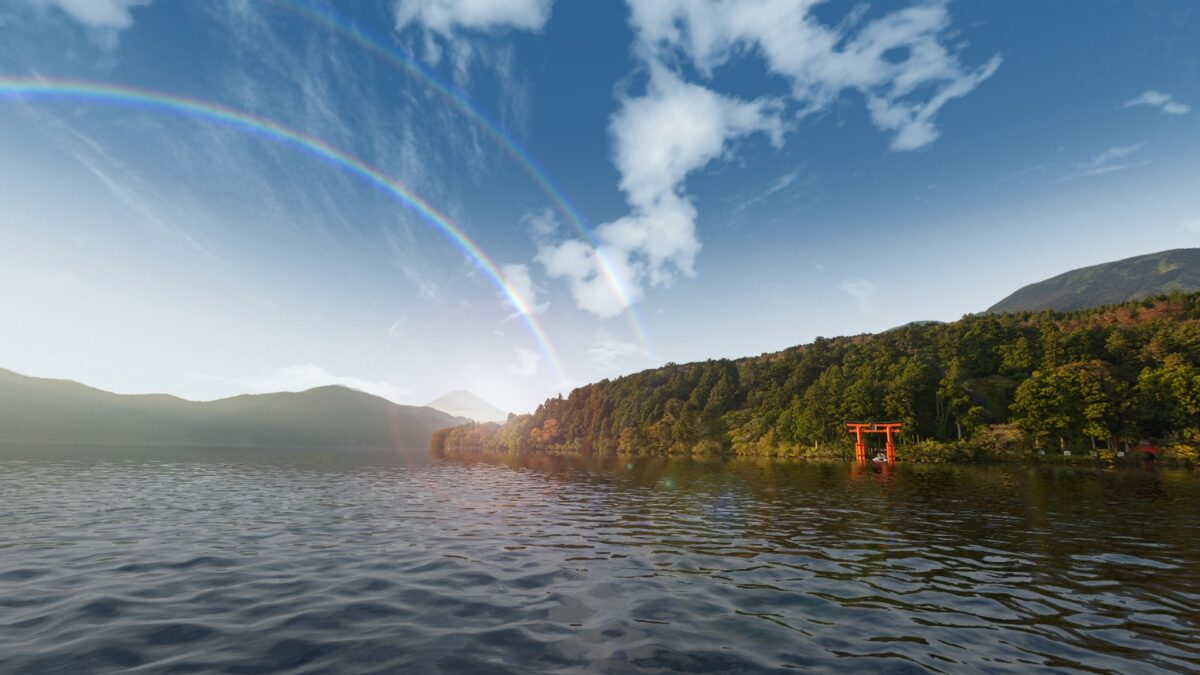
[[860, 445]]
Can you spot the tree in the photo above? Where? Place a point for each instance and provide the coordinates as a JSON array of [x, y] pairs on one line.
[[1104, 399], [547, 434], [953, 401], [1169, 395], [1017, 357], [1048, 404]]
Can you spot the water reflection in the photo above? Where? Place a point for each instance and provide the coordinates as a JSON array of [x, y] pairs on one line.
[[1007, 565], [545, 563]]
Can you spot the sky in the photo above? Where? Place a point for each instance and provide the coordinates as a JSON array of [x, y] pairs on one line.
[[516, 197]]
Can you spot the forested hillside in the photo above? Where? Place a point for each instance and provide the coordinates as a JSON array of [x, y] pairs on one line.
[[987, 385], [1143, 276]]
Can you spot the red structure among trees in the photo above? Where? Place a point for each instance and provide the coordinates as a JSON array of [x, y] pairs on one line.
[[1147, 449], [860, 445]]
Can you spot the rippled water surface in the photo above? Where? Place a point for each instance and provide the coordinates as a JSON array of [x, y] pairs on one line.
[[251, 566]]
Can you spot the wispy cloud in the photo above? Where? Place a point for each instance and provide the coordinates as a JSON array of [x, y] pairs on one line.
[[542, 223], [862, 291], [317, 85], [125, 185], [608, 351], [460, 36], [1112, 154], [1022, 174], [519, 284], [418, 269], [781, 183], [1157, 99], [398, 328], [526, 364], [106, 18], [1107, 162]]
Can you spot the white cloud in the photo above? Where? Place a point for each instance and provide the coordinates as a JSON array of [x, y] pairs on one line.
[[447, 16], [590, 273], [448, 19], [608, 350], [105, 15], [520, 286], [673, 130], [307, 376], [1157, 99], [526, 364], [897, 62], [862, 291], [913, 122], [677, 128]]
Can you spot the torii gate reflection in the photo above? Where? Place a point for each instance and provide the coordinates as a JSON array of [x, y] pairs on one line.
[[860, 445]]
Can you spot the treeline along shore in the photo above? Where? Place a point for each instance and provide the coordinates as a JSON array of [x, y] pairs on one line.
[[987, 387]]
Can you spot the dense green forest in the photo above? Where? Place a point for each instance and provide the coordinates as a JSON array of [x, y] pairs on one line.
[[985, 387]]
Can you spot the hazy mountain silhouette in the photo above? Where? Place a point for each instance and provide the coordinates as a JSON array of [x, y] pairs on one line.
[[61, 411], [465, 404]]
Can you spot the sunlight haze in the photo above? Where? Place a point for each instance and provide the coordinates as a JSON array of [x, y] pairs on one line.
[[648, 183]]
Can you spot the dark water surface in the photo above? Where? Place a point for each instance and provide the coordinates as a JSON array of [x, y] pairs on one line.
[[252, 566]]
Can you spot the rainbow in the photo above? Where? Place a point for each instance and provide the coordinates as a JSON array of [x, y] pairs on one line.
[[331, 21], [110, 94]]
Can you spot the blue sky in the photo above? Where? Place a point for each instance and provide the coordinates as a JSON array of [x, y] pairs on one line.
[[745, 175]]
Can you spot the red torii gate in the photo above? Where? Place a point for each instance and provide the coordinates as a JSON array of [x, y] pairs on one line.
[[860, 445]]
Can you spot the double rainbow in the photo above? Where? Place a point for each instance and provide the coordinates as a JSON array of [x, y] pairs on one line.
[[334, 23], [116, 95]]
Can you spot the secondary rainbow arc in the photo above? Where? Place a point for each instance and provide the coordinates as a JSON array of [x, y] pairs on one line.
[[112, 94], [331, 21]]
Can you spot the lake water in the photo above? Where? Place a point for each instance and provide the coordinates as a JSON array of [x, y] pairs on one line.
[[243, 565]]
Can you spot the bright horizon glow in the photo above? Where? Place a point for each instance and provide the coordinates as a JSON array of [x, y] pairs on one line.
[[753, 181], [99, 92]]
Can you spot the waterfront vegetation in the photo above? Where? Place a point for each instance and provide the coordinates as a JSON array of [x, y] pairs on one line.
[[989, 387]]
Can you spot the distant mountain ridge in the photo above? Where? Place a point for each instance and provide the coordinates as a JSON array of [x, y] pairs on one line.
[[1109, 283], [42, 410], [466, 404]]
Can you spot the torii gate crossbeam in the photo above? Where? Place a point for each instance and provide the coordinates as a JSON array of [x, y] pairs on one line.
[[860, 445]]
